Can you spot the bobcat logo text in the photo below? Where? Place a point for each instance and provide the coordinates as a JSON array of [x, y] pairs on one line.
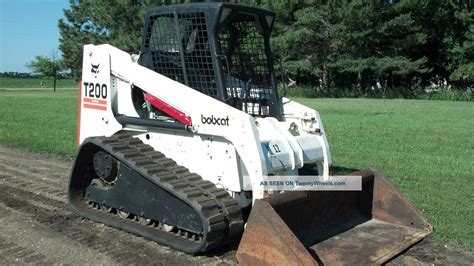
[[215, 120]]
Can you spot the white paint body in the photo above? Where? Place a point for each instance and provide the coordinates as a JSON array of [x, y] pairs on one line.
[[235, 157]]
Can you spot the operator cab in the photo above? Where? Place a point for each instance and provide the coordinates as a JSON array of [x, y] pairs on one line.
[[219, 49]]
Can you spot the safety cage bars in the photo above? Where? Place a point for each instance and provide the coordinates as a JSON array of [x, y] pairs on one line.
[[248, 81], [180, 47]]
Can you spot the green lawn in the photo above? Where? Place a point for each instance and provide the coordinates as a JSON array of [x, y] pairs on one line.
[[11, 83], [426, 147], [39, 120]]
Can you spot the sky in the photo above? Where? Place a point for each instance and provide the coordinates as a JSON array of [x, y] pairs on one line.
[[28, 28]]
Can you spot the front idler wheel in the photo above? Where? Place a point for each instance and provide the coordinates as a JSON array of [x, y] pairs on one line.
[[105, 166]]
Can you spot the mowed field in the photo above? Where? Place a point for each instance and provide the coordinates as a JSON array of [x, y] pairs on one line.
[[27, 83], [425, 147], [39, 120]]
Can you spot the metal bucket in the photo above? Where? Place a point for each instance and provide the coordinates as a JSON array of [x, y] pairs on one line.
[[332, 227]]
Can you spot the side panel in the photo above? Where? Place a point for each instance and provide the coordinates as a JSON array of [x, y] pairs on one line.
[[213, 158], [96, 116]]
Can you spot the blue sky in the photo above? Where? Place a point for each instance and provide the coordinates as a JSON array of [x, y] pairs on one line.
[[28, 28]]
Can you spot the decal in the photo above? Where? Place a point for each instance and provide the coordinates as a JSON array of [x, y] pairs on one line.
[[95, 90], [276, 148], [95, 107], [95, 69], [95, 95], [95, 101], [215, 120], [273, 148]]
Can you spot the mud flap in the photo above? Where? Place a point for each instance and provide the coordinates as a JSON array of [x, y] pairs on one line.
[[333, 227]]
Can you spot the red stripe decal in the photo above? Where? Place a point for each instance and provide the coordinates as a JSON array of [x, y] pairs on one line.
[[95, 101], [168, 109], [79, 110], [96, 107]]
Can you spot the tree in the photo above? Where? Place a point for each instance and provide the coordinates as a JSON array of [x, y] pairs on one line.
[[96, 22], [46, 67], [444, 23], [462, 55], [307, 45], [301, 38], [347, 42], [375, 43], [119, 23], [352, 44]]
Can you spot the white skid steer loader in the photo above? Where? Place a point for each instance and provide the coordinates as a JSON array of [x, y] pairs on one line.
[[175, 144]]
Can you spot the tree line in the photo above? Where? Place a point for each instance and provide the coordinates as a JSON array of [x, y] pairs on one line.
[[359, 46], [34, 75], [18, 75]]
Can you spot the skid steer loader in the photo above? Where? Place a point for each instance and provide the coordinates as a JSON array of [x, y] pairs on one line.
[[175, 142]]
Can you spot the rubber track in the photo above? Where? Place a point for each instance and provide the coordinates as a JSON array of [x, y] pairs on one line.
[[105, 240], [222, 212]]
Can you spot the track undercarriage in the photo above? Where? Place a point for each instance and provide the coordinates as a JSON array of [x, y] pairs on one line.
[[124, 183]]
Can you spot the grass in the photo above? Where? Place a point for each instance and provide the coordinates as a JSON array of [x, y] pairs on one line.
[[39, 120], [425, 147], [15, 83]]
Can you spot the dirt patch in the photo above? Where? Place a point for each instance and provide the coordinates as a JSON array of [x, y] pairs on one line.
[[37, 225], [428, 252]]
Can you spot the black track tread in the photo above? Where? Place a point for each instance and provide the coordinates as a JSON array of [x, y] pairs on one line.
[[221, 213]]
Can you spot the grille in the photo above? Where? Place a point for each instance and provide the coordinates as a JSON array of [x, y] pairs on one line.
[[247, 79], [180, 50]]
